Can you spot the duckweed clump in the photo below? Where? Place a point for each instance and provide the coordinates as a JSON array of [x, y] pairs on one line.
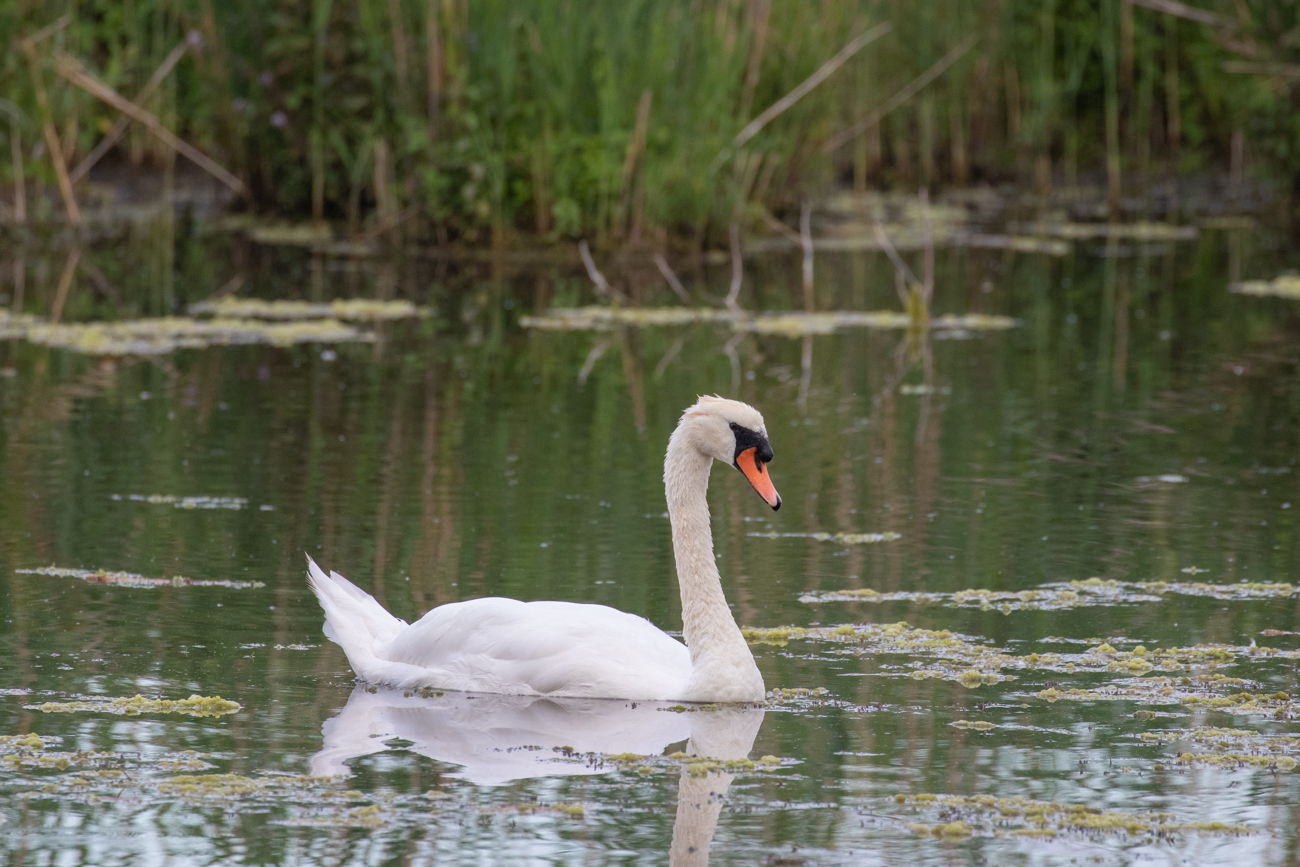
[[1049, 818], [351, 310], [130, 579], [164, 335], [195, 705]]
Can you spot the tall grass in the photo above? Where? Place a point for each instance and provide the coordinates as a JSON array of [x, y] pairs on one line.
[[614, 120]]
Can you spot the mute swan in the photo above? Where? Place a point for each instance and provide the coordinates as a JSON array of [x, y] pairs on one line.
[[581, 650]]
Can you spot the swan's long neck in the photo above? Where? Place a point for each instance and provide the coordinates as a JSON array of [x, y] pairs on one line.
[[718, 650]]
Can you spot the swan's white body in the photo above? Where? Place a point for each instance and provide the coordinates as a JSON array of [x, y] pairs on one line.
[[577, 650]]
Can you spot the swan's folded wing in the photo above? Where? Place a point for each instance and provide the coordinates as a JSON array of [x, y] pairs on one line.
[[544, 648]]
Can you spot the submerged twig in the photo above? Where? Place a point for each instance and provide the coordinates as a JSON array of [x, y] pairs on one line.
[[592, 357], [670, 354], [676, 284], [737, 272], [899, 265], [902, 96], [602, 285], [805, 240], [65, 283]]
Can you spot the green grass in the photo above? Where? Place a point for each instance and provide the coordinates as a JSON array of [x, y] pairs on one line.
[[523, 118]]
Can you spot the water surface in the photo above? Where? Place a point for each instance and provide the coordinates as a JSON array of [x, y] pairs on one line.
[[1140, 425]]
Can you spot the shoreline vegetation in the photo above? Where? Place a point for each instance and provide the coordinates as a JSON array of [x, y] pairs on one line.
[[637, 124]]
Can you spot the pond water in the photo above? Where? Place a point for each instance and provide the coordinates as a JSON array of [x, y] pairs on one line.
[[1126, 455]]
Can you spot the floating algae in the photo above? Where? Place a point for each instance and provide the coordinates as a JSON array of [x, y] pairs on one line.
[[186, 502], [1286, 286], [1141, 231], [353, 310], [789, 324], [291, 234], [998, 816], [841, 538], [1236, 747], [1244, 590], [1077, 594], [163, 335], [130, 579], [195, 705]]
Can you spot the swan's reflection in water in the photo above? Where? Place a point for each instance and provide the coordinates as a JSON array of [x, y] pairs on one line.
[[499, 738]]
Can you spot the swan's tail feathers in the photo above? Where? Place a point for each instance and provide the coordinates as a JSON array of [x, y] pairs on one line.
[[353, 619]]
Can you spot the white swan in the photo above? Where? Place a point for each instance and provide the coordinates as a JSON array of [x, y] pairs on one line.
[[579, 650]]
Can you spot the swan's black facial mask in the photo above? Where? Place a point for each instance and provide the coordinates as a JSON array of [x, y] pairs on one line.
[[753, 453]]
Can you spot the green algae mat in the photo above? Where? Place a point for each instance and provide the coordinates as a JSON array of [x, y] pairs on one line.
[[1033, 597]]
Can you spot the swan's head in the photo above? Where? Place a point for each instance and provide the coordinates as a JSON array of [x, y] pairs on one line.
[[734, 433]]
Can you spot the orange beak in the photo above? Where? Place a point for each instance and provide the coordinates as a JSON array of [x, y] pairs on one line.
[[756, 471]]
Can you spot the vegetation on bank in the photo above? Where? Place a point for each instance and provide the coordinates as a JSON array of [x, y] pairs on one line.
[[631, 121]]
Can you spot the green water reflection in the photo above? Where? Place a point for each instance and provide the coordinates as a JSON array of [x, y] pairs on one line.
[[461, 456]]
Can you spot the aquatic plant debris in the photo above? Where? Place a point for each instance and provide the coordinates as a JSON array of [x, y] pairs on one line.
[[1286, 286], [195, 705], [1059, 596], [185, 502], [789, 323], [991, 816], [167, 334], [1141, 231], [841, 538], [350, 310], [130, 579]]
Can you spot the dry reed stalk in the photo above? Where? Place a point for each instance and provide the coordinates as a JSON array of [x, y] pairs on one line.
[[790, 234], [1182, 10], [1173, 101], [671, 277], [927, 239], [123, 121], [806, 241], [51, 135], [957, 144], [48, 30], [823, 72], [70, 69], [635, 146], [107, 289], [230, 287], [16, 154], [434, 39], [399, 45], [907, 92], [383, 201], [737, 272], [761, 10], [20, 282], [1011, 77], [65, 284], [1110, 71], [1237, 162], [392, 221]]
